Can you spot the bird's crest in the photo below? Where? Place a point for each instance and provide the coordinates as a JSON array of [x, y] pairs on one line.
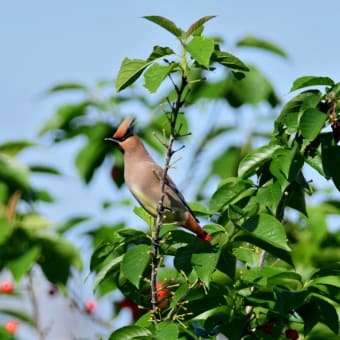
[[125, 128]]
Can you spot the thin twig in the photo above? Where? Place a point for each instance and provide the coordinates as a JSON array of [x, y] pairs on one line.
[[175, 110], [181, 301]]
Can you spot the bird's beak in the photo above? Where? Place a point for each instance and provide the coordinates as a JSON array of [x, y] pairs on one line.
[[112, 140]]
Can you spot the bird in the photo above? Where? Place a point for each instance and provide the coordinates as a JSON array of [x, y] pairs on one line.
[[143, 176]]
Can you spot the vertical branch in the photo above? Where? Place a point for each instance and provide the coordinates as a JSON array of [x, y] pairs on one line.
[[35, 306], [175, 110]]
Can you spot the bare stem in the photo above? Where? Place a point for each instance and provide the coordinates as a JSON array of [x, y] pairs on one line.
[[175, 110]]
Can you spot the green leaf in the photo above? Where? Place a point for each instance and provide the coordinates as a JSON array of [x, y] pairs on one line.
[[286, 165], [14, 173], [155, 75], [67, 87], [227, 192], [34, 222], [288, 301], [92, 155], [311, 123], [130, 70], [57, 257], [159, 52], [6, 230], [251, 41], [270, 196], [108, 267], [268, 229], [201, 50], [311, 81], [23, 264], [166, 24], [63, 117], [253, 161], [229, 60], [134, 263], [167, 330], [44, 169], [205, 264], [72, 222], [331, 162], [13, 148], [292, 110], [130, 333], [198, 24]]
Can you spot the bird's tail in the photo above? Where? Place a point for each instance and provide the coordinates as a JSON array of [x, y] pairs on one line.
[[192, 225]]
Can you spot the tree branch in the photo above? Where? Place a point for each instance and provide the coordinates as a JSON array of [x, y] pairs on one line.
[[172, 118]]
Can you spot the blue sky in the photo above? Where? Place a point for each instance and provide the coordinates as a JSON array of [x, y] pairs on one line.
[[43, 43]]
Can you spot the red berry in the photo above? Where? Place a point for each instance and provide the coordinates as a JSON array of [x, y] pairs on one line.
[[292, 334], [90, 306], [11, 326], [266, 329], [7, 287], [162, 295]]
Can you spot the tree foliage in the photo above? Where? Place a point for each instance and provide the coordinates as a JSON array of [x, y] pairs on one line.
[[273, 264]]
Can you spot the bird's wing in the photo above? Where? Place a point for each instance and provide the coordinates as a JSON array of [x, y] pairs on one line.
[[170, 183]]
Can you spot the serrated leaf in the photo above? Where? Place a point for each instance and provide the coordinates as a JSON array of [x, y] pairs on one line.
[[306, 81], [204, 265], [251, 162], [130, 70], [130, 333], [268, 229], [166, 24], [197, 24], [155, 75], [134, 263], [251, 41], [108, 267], [229, 60], [311, 123], [201, 49]]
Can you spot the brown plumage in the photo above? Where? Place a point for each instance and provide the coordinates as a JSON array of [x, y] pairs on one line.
[[143, 178]]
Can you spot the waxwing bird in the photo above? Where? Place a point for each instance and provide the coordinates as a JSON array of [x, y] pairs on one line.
[[143, 177]]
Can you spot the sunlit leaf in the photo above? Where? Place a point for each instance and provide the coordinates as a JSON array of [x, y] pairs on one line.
[[229, 60], [268, 229], [311, 81], [197, 24], [311, 123], [130, 333], [134, 263], [155, 75], [130, 70], [201, 49], [167, 24], [12, 148], [251, 162]]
